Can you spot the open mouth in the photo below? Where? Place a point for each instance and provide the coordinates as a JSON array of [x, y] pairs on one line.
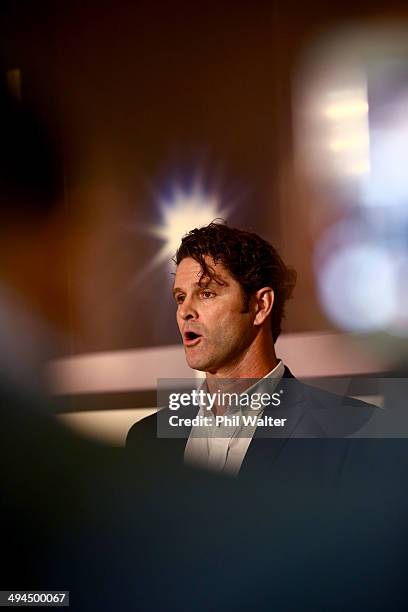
[[191, 338]]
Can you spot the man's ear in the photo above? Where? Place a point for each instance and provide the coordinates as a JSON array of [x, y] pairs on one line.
[[264, 299]]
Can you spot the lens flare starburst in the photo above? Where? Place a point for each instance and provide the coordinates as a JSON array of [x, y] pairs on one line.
[[182, 212]]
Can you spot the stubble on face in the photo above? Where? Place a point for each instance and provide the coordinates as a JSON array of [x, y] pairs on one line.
[[216, 310]]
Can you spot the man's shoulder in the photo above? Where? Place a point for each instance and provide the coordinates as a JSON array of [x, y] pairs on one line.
[[319, 398], [144, 443], [141, 430], [156, 426], [338, 415]]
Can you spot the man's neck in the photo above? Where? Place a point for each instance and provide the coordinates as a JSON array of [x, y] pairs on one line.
[[255, 363]]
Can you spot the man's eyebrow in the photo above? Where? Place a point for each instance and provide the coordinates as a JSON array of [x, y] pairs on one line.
[[203, 285], [214, 281], [178, 289]]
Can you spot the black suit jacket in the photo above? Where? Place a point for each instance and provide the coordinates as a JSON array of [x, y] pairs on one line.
[[123, 535], [316, 443]]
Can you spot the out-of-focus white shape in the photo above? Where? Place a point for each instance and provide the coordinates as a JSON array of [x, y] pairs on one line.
[[358, 168], [351, 141], [346, 126], [354, 140], [358, 288], [331, 109], [350, 148], [312, 354], [388, 183], [106, 426], [129, 370], [184, 211], [349, 108], [332, 132]]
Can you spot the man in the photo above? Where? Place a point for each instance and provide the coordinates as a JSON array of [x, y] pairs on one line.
[[230, 288]]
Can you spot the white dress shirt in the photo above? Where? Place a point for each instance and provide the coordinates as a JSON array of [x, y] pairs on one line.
[[205, 448]]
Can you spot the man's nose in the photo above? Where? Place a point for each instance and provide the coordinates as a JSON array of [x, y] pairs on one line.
[[187, 310]]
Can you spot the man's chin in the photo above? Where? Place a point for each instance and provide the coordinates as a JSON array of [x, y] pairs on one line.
[[196, 364]]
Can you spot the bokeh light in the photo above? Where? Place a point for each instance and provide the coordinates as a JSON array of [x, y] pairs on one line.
[[351, 133], [358, 288]]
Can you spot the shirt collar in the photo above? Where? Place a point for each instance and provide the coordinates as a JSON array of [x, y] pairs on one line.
[[271, 380], [274, 375]]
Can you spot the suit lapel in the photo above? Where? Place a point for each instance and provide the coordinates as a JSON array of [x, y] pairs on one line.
[[268, 443]]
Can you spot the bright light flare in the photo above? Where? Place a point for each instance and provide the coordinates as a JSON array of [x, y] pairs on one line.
[[182, 212]]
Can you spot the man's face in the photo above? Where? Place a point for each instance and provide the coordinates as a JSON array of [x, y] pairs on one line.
[[215, 329]]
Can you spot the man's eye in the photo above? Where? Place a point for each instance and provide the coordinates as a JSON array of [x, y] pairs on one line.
[[179, 299], [207, 294]]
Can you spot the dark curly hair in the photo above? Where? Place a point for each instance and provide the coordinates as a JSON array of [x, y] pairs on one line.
[[251, 261]]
